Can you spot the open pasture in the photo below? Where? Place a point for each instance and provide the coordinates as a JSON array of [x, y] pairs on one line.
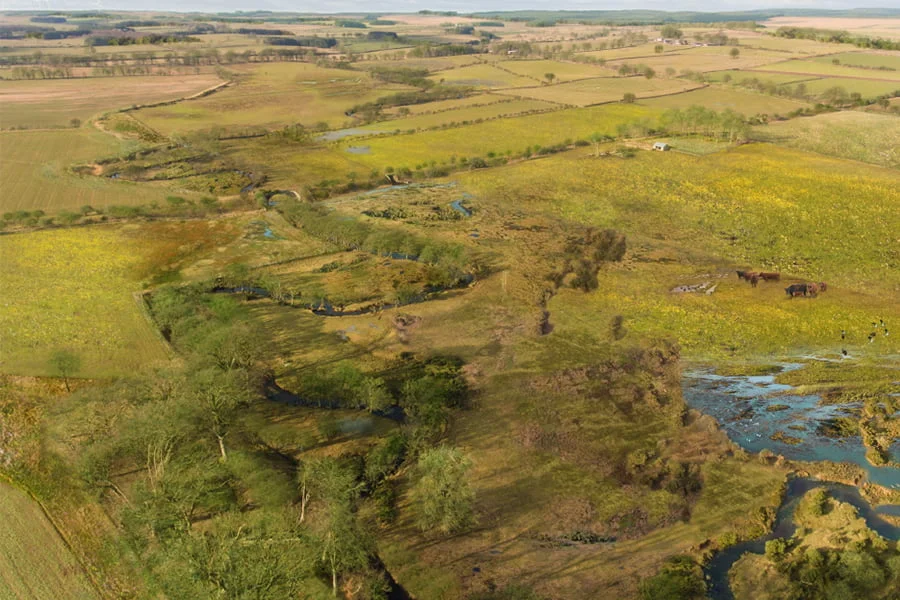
[[827, 69], [396, 59], [604, 89], [735, 76], [694, 219], [703, 59], [34, 168], [273, 95], [502, 136], [482, 75], [472, 113], [867, 137], [864, 87], [453, 104], [562, 71], [873, 60], [785, 46], [632, 52], [34, 561], [872, 27], [55, 102], [293, 168], [73, 289], [718, 98]]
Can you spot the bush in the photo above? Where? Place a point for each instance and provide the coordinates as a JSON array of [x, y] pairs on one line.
[[680, 579]]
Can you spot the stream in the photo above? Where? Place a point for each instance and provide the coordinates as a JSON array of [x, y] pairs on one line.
[[716, 570], [752, 409]]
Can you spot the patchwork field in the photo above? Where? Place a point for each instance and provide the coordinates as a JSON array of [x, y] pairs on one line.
[[562, 71], [606, 89], [34, 561], [866, 88], [34, 167], [880, 62], [818, 67], [756, 206], [704, 59], [455, 103], [717, 98], [875, 27], [73, 289], [458, 116], [484, 76], [272, 95], [54, 103], [859, 136], [500, 137]]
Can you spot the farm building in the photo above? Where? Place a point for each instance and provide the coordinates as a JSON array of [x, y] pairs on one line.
[[661, 146]]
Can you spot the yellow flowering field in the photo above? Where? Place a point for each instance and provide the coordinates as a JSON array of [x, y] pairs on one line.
[[73, 289], [693, 219]]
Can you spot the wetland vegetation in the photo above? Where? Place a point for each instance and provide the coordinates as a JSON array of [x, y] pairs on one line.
[[408, 306]]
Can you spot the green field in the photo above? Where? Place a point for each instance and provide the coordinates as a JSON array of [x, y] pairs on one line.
[[482, 76], [866, 137], [470, 113], [682, 211], [455, 103], [606, 89], [272, 95], [34, 561], [717, 98], [864, 87], [562, 71], [865, 59], [712, 58], [507, 135], [634, 52], [36, 175], [73, 289], [818, 67], [738, 75], [54, 103]]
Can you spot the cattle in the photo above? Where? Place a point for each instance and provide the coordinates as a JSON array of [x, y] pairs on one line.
[[812, 289], [747, 275], [823, 286], [796, 289], [754, 279], [769, 276]]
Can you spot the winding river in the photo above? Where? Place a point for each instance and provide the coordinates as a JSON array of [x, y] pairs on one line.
[[752, 409]]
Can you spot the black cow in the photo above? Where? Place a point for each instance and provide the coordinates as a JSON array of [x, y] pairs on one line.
[[796, 289]]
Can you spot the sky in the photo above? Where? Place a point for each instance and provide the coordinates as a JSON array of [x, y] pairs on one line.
[[462, 6]]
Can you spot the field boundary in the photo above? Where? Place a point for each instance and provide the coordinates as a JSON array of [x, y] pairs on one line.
[[95, 585]]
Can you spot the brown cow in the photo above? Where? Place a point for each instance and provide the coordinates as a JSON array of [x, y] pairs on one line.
[[812, 289], [769, 276], [747, 275], [823, 286]]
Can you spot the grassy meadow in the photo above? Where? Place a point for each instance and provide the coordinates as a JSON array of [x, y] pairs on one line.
[[458, 116], [35, 167], [483, 75], [866, 137], [719, 98], [74, 289], [819, 67], [54, 103], [36, 563], [528, 298], [693, 219], [605, 89], [512, 135], [272, 95]]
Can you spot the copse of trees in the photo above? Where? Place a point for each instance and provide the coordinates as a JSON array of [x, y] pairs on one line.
[[726, 125]]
